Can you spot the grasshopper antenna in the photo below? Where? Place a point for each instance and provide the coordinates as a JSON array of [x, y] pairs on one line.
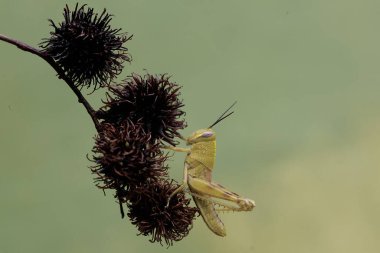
[[223, 116]]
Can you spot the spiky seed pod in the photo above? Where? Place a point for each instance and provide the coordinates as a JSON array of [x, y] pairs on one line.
[[148, 212], [86, 47], [151, 100], [125, 158], [129, 163]]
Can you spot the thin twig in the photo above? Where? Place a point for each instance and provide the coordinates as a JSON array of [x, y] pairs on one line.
[[61, 74]]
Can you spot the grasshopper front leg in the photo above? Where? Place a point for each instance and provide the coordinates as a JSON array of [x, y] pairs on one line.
[[176, 149], [206, 190]]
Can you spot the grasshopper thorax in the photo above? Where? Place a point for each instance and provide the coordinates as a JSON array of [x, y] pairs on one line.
[[201, 135]]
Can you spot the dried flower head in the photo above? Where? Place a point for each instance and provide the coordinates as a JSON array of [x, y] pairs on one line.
[[124, 157], [151, 100], [148, 212], [137, 116], [129, 163], [86, 47]]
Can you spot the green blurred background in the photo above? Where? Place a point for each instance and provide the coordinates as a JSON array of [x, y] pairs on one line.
[[304, 141]]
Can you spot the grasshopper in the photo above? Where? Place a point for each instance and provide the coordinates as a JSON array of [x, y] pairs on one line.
[[199, 164]]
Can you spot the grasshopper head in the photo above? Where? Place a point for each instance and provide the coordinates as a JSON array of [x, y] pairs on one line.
[[201, 135]]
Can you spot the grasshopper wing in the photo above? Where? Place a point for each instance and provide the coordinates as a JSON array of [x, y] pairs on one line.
[[210, 216]]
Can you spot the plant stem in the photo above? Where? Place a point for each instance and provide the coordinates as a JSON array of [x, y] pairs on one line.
[[61, 74]]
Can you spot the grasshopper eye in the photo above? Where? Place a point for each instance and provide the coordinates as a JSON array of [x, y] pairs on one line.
[[207, 134]]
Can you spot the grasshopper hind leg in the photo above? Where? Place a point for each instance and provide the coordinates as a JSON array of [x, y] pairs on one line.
[[219, 195]]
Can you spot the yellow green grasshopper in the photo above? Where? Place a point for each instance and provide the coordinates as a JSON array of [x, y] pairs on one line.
[[199, 164]]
